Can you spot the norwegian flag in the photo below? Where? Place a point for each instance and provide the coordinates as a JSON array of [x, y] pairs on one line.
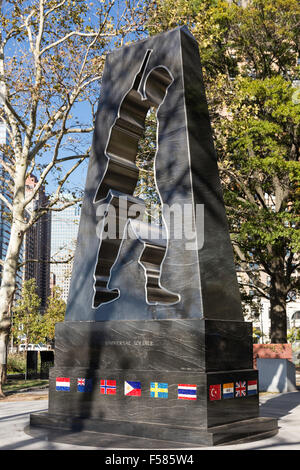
[[108, 387], [240, 388]]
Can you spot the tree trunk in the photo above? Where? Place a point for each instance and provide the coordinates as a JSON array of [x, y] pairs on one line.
[[3, 359], [7, 290], [278, 309]]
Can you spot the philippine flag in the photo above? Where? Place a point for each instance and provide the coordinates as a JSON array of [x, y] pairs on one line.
[[228, 390], [62, 384], [252, 387], [187, 392], [132, 389]]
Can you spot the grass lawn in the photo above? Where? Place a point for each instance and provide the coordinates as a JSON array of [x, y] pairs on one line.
[[15, 385]]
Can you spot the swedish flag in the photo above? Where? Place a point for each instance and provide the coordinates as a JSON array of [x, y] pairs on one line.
[[158, 390]]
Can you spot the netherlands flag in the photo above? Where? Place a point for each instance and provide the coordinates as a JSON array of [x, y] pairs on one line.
[[62, 384], [187, 392], [252, 387]]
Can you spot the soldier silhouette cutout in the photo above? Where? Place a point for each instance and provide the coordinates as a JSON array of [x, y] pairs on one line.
[[118, 184]]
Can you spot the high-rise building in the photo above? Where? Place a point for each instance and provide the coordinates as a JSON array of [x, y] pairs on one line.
[[64, 229], [4, 219], [4, 224], [37, 243]]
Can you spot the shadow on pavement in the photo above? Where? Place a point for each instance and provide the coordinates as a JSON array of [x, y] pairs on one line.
[[280, 405]]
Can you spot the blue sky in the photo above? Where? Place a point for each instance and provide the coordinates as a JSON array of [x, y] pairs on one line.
[[81, 112]]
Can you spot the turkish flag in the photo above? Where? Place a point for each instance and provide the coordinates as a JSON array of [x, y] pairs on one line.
[[215, 392]]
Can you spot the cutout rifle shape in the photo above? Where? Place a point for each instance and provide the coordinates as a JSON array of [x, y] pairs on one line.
[[119, 182]]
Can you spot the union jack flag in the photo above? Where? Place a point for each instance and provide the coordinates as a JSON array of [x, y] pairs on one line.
[[240, 389], [84, 385]]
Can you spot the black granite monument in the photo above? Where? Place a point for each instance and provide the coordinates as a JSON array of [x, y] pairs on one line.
[[154, 343]]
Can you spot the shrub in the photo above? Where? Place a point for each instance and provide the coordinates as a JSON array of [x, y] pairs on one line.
[[16, 363]]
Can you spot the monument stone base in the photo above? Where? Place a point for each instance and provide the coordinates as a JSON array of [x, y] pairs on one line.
[[185, 381], [95, 429]]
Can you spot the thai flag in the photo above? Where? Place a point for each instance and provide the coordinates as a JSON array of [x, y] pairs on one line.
[[187, 392], [62, 384], [252, 387]]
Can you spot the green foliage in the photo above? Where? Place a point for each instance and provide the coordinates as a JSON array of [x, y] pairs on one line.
[[27, 319], [293, 335], [17, 385], [256, 334], [249, 59], [55, 313], [16, 363], [258, 154], [146, 187]]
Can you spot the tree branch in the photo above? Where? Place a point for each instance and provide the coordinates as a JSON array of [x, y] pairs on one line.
[[261, 292], [7, 167], [6, 202], [44, 210], [12, 110], [66, 261], [56, 7], [69, 35]]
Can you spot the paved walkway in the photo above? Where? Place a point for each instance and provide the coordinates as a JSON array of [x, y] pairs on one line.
[[14, 417]]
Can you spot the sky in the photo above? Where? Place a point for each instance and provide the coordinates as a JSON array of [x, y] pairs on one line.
[[81, 112]]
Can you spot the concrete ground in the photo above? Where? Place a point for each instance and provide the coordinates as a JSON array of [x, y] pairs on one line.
[[15, 411]]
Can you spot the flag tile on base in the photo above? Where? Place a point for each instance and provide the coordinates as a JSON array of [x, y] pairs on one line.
[[108, 387], [132, 389], [158, 390], [187, 392], [84, 385], [240, 388], [62, 384], [252, 387], [215, 392], [228, 390]]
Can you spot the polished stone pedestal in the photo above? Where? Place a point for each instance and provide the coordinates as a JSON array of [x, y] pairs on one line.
[[212, 358], [98, 431]]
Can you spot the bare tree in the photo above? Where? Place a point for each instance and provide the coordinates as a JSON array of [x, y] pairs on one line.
[[51, 61]]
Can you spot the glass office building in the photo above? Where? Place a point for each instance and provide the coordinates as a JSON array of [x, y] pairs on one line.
[[4, 223], [64, 229], [37, 243]]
